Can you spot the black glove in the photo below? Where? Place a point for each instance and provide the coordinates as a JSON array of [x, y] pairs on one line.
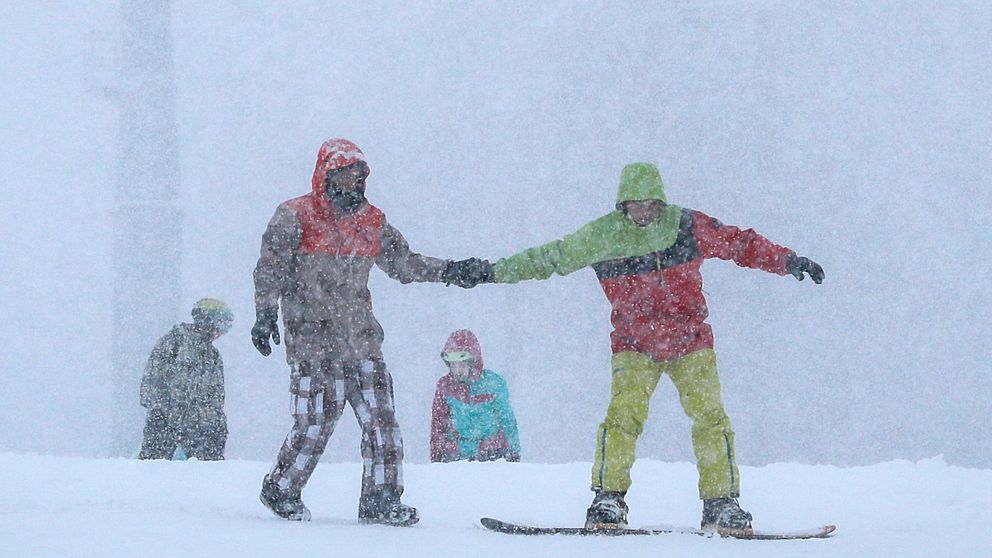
[[266, 326], [468, 273], [797, 265]]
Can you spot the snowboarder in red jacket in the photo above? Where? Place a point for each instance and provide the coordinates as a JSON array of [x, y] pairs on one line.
[[647, 255]]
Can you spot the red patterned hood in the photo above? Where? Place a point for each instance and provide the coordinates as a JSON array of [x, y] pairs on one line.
[[333, 154]]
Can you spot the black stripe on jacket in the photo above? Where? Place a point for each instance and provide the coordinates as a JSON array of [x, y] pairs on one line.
[[683, 250]]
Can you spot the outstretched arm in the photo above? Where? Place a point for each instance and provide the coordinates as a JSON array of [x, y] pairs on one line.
[[588, 245], [403, 264], [747, 248]]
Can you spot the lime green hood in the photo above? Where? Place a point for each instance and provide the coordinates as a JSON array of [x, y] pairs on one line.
[[612, 236], [640, 181]]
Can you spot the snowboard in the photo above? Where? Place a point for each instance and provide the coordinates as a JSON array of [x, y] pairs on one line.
[[514, 529]]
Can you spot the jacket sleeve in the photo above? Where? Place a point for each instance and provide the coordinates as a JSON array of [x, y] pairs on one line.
[[507, 421], [215, 391], [567, 255], [154, 393], [400, 263], [443, 448], [280, 246], [746, 247]]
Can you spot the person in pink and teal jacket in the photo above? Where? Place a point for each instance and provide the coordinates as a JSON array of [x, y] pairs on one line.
[[471, 417]]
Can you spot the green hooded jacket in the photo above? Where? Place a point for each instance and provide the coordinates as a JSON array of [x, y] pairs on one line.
[[610, 237]]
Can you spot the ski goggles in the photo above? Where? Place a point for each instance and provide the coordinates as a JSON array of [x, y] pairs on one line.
[[457, 356]]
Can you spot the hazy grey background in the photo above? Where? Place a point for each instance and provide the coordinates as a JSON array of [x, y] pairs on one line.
[[857, 133]]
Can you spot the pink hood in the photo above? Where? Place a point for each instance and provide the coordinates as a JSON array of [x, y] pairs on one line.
[[465, 340]]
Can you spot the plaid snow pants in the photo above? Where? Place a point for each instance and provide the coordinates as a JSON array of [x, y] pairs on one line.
[[319, 389]]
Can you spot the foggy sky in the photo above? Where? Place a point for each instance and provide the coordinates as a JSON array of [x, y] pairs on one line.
[[855, 133]]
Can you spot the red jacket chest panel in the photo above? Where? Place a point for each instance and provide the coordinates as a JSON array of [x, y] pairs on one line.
[[667, 294], [456, 389], [353, 234]]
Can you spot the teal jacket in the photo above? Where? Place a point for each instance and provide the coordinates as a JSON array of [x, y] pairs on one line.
[[473, 421]]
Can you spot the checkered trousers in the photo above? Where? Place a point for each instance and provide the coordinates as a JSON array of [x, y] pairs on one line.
[[319, 392]]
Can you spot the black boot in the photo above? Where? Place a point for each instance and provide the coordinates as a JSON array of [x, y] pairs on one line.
[[384, 507], [283, 503], [725, 515], [608, 511]]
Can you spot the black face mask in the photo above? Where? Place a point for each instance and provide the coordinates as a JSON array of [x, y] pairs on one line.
[[348, 202]]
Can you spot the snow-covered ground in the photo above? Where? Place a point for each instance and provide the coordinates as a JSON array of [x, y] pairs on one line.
[[76, 507]]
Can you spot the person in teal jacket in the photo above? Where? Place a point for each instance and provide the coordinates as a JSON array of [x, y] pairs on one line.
[[471, 415]]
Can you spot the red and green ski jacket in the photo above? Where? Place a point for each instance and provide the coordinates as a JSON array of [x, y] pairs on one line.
[[650, 274]]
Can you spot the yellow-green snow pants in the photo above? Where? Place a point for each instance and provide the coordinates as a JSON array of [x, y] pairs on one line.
[[635, 377]]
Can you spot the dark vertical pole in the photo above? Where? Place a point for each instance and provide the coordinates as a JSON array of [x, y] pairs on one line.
[[147, 219]]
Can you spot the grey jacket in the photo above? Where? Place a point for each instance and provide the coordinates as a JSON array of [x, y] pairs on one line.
[[184, 375], [315, 261]]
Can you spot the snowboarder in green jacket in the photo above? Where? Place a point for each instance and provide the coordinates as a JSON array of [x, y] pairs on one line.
[[647, 256]]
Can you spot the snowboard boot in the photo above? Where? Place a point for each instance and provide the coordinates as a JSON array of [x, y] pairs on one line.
[[283, 503], [608, 511], [385, 508], [725, 516]]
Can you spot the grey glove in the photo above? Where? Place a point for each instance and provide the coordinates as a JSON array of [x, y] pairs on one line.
[[468, 273], [266, 326], [797, 265]]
